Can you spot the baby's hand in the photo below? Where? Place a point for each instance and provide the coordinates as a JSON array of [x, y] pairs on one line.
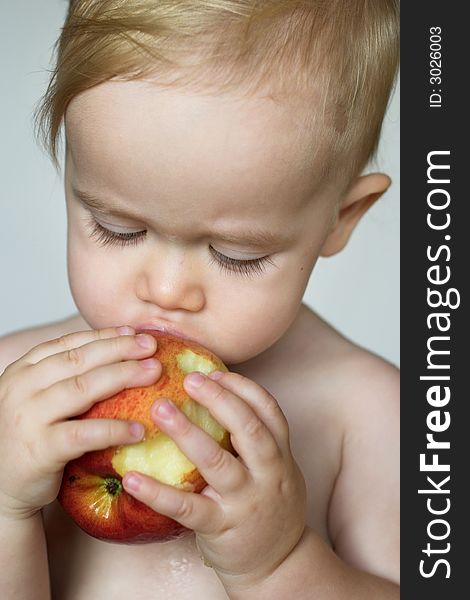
[[253, 511], [39, 393]]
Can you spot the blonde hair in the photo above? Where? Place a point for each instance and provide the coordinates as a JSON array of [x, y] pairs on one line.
[[335, 61]]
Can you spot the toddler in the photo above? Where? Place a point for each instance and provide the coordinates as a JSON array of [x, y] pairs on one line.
[[214, 150]]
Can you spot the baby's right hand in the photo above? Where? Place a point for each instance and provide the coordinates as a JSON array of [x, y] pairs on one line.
[[54, 381]]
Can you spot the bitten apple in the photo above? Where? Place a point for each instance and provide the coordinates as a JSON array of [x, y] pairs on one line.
[[92, 492]]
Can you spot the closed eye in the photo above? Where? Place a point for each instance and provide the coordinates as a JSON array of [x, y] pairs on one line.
[[253, 266], [106, 237]]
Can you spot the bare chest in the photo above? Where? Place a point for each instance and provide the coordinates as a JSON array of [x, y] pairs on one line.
[[83, 568]]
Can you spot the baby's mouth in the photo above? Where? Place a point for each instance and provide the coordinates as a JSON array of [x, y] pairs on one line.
[[164, 328]]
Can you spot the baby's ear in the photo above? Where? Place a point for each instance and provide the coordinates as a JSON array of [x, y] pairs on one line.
[[362, 194]]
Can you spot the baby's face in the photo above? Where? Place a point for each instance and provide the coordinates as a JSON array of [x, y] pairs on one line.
[[210, 221]]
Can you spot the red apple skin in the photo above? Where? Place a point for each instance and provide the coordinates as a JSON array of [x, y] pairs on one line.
[[91, 491]]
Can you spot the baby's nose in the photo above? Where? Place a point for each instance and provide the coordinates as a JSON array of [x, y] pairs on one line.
[[172, 283]]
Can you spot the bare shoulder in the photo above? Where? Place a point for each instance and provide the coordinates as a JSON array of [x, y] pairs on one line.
[[365, 390], [340, 368], [15, 344], [361, 391]]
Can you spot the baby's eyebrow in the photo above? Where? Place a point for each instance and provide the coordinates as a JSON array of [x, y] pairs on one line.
[[250, 237], [106, 208]]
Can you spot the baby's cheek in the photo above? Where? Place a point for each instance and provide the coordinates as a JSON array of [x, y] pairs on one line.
[[255, 324], [93, 289]]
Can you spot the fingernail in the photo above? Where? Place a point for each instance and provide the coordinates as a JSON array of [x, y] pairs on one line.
[[132, 482], [195, 379], [137, 430], [166, 409], [145, 341], [125, 330], [216, 375], [149, 363]]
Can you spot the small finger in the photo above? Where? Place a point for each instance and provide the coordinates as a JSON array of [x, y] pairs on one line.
[[91, 355], [195, 511], [221, 470], [261, 401], [72, 340], [76, 395], [251, 437], [71, 439]]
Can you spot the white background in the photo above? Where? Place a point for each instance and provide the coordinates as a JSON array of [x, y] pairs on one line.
[[357, 291]]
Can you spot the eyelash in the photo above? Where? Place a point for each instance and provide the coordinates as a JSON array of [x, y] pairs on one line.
[[105, 237], [253, 266]]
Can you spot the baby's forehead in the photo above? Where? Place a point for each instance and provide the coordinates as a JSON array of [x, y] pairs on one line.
[[118, 105], [256, 141]]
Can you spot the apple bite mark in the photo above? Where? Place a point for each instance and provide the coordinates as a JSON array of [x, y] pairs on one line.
[[189, 361], [159, 457]]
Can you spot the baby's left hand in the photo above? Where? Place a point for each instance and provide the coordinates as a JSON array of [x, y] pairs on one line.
[[253, 511]]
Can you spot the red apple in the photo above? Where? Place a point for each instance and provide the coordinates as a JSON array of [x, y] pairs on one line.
[[92, 492]]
